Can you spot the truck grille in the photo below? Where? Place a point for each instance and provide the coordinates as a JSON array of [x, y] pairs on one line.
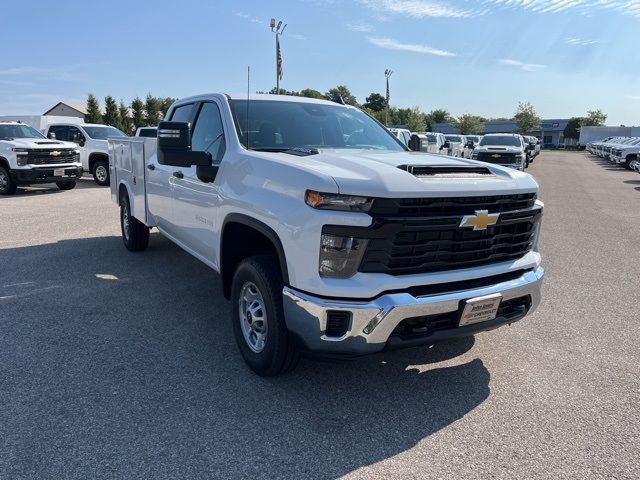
[[497, 157], [424, 235], [45, 157]]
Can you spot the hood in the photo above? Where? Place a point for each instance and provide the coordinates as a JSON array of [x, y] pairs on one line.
[[369, 173], [39, 143]]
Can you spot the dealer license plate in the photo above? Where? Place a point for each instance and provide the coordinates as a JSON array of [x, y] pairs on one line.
[[480, 309], [59, 172]]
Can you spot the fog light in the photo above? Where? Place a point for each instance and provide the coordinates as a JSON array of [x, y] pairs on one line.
[[340, 256]]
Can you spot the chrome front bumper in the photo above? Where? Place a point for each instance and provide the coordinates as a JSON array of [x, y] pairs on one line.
[[373, 322]]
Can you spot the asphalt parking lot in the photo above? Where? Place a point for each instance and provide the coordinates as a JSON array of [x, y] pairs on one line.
[[121, 365]]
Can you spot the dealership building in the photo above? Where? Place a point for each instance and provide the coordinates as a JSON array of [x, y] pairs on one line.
[[550, 133]]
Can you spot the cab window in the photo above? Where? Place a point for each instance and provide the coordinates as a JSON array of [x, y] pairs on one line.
[[182, 113], [61, 132], [208, 134]]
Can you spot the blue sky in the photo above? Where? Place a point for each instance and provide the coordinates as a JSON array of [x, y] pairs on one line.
[[482, 57]]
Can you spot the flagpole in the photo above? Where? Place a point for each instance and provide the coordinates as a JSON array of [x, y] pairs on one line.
[[387, 74], [278, 30]]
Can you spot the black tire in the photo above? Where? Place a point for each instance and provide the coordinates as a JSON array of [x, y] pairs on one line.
[[7, 185], [278, 354], [66, 185], [627, 164], [100, 172], [136, 236]]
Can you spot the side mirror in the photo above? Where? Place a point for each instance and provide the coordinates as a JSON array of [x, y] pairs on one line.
[[447, 144], [51, 135], [470, 144], [174, 146]]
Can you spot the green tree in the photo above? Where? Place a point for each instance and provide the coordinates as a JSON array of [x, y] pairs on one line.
[[335, 93], [165, 103], [375, 102], [152, 112], [111, 114], [469, 124], [93, 110], [526, 118], [137, 113], [595, 118], [274, 91], [572, 130], [415, 120], [439, 115], [126, 124], [311, 93]]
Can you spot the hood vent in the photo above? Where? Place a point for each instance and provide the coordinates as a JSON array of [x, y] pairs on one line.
[[500, 149], [47, 143], [446, 171]]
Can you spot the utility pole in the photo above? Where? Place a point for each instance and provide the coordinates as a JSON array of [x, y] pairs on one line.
[[387, 74], [278, 29]]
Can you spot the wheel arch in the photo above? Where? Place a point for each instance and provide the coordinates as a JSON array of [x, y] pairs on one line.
[[95, 156], [243, 236], [4, 163]]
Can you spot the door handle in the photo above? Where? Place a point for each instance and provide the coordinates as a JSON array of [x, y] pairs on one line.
[[151, 166], [178, 174]]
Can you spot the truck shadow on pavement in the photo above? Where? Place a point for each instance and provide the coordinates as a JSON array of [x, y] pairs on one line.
[[124, 365], [48, 188]]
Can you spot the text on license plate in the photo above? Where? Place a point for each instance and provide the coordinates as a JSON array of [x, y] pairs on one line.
[[59, 172], [480, 309]]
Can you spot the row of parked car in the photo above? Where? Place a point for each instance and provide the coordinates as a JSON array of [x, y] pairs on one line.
[[623, 151], [513, 150], [60, 154]]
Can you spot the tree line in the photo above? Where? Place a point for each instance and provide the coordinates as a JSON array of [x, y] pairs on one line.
[[138, 113], [151, 111]]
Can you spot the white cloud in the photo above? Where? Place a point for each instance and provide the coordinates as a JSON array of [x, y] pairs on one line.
[[581, 42], [527, 67], [391, 44], [360, 27], [60, 72], [250, 18], [634, 97], [416, 8], [583, 7]]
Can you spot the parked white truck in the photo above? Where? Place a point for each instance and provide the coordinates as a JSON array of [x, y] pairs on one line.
[[27, 157], [91, 141], [330, 236], [506, 149]]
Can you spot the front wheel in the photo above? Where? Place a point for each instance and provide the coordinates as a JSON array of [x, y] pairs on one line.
[[135, 234], [66, 185], [258, 318], [7, 185], [101, 173]]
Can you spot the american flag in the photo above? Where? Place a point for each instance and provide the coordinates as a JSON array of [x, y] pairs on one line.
[[279, 59], [387, 91]]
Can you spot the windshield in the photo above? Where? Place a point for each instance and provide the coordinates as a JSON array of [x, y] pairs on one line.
[[502, 140], [11, 131], [278, 126], [102, 133], [432, 138], [453, 138], [473, 138]]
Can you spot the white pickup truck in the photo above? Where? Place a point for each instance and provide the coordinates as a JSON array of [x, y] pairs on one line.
[[330, 237]]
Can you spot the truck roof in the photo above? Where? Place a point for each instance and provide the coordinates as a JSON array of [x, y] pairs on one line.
[[261, 96]]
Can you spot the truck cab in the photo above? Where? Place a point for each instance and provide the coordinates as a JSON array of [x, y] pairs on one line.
[[456, 145], [27, 158], [91, 141], [331, 238]]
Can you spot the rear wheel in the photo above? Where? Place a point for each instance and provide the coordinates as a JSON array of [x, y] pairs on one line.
[[258, 318], [7, 185], [627, 164], [101, 172], [66, 185], [135, 234]]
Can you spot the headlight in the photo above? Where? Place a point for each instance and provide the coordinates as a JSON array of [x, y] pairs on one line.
[[340, 256], [537, 225], [20, 151], [335, 201]]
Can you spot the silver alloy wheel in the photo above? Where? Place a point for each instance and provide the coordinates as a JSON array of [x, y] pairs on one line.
[[253, 317], [3, 181], [125, 221], [101, 173]]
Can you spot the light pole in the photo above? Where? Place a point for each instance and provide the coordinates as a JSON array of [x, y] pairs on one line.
[[387, 74], [278, 29]]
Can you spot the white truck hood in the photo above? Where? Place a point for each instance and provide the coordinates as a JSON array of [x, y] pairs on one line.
[[369, 173], [39, 143]]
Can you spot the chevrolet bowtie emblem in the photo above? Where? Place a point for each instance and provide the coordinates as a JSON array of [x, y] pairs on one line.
[[481, 220], [496, 155], [55, 153]]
